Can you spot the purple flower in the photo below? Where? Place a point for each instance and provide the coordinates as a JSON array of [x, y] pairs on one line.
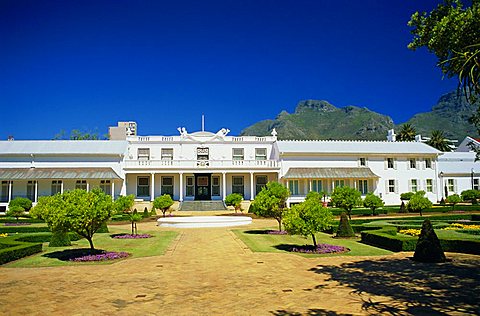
[[16, 224], [277, 232], [104, 256], [321, 249], [130, 236]]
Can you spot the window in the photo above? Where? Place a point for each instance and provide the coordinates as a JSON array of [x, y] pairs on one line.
[[362, 162], [260, 153], [390, 163], [413, 163], [363, 186], [261, 182], [190, 187], [451, 185], [215, 186], [237, 185], [293, 186], [476, 184], [428, 163], [429, 185], [339, 183], [143, 153], [167, 153], [391, 186], [317, 185], [31, 190], [143, 186], [81, 184], [238, 154], [106, 187], [413, 185], [56, 187], [167, 186], [4, 191]]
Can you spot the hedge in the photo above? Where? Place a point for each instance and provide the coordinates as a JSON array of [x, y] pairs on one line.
[[7, 219], [44, 237], [383, 238], [15, 250], [23, 229]]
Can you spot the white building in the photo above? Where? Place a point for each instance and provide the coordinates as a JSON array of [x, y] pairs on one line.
[[209, 166]]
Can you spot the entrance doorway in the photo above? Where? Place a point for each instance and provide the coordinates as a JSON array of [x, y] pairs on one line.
[[203, 187]]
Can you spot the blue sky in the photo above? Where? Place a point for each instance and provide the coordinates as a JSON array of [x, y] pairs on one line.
[[88, 64]]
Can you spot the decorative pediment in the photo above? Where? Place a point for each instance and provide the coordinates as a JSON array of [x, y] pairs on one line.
[[203, 137]]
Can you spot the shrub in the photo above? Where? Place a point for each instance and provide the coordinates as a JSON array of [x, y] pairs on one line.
[[344, 228], [15, 250], [471, 195], [454, 199], [163, 203], [146, 213], [103, 228], [428, 247], [373, 202], [59, 239], [403, 208], [15, 211], [346, 198], [406, 196], [418, 202], [24, 203], [271, 202], [23, 229], [235, 200]]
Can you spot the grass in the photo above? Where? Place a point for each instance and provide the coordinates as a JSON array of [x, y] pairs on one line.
[[259, 241], [155, 246]]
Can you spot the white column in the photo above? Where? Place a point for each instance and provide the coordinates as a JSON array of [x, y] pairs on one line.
[[354, 184], [333, 185], [152, 188], [10, 183], [88, 186], [61, 186], [309, 185], [224, 185], [36, 191], [251, 187], [123, 190], [181, 187], [113, 190]]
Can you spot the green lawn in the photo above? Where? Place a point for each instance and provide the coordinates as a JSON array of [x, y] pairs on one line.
[[154, 246], [260, 242]]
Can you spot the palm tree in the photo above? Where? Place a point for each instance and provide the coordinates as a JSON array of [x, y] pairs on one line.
[[438, 141], [407, 133]]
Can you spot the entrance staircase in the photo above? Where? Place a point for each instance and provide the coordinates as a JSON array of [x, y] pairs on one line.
[[202, 206]]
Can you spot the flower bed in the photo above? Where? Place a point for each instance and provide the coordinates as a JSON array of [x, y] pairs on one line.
[[277, 232], [130, 236], [410, 232], [17, 224], [320, 249], [104, 256]]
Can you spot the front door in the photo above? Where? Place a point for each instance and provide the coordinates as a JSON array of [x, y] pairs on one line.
[[202, 187]]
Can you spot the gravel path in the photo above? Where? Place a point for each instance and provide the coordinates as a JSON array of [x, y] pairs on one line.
[[211, 272]]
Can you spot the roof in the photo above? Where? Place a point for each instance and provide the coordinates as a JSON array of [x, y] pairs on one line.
[[63, 147], [54, 173], [355, 147], [458, 163], [329, 173]]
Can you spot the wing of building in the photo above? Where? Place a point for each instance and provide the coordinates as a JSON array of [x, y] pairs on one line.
[[209, 166]]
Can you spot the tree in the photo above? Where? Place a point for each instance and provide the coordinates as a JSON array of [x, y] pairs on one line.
[[234, 200], [163, 203], [454, 199], [471, 195], [428, 248], [373, 202], [437, 140], [308, 218], [419, 202], [22, 202], [452, 32], [123, 205], [15, 211], [79, 211], [407, 133], [77, 134], [271, 202], [346, 198]]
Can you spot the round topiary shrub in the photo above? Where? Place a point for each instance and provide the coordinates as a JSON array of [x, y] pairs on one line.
[[103, 228], [428, 246], [344, 228], [60, 239]]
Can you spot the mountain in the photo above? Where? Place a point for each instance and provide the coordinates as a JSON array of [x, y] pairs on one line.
[[450, 114], [315, 119]]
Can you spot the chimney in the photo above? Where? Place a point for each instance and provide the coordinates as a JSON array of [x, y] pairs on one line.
[[10, 138], [391, 137]]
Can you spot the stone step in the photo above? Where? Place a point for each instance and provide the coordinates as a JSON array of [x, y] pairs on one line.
[[202, 206]]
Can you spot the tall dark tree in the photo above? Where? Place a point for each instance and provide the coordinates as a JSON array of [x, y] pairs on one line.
[[407, 133], [439, 141]]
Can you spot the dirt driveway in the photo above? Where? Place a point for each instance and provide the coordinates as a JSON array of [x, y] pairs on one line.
[[211, 272]]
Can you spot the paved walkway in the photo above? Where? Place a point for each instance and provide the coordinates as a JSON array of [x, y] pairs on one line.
[[205, 272]]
